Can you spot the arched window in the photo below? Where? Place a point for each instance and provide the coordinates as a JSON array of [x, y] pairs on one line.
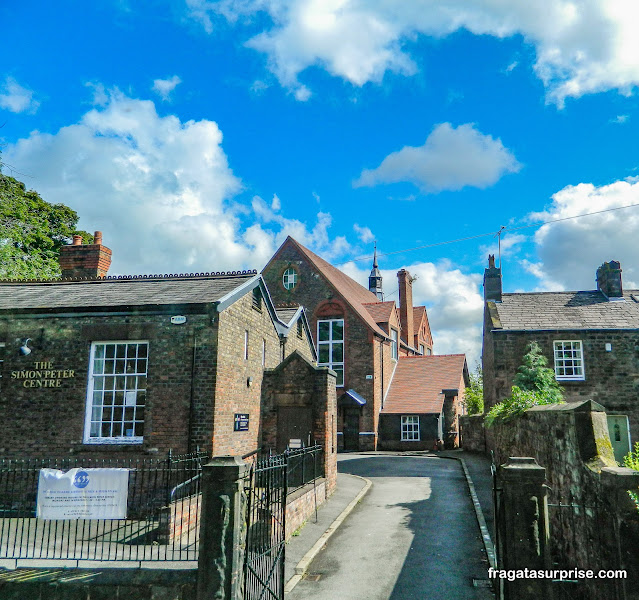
[[289, 279]]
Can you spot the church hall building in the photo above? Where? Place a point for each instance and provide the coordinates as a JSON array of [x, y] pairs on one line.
[[377, 350], [135, 366]]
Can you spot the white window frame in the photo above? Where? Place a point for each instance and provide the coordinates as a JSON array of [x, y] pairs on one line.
[[394, 344], [131, 384], [410, 428], [562, 361], [331, 343], [290, 278], [422, 349]]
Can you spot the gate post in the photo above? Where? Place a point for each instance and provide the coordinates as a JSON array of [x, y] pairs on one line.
[[524, 527], [222, 530]]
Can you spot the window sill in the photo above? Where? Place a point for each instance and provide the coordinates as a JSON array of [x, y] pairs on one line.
[[570, 378]]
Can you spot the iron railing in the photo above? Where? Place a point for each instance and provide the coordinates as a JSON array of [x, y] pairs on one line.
[[305, 465], [162, 516]]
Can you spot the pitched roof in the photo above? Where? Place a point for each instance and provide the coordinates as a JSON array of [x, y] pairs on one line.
[[566, 310], [121, 291], [419, 380], [286, 314], [353, 293], [381, 311]]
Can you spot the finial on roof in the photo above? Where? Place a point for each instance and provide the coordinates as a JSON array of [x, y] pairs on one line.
[[375, 278], [375, 256]]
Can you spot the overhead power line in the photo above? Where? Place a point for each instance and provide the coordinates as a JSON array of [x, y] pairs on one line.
[[500, 231]]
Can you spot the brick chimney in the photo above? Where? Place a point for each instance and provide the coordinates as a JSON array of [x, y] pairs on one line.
[[609, 279], [85, 260], [406, 306], [492, 281]]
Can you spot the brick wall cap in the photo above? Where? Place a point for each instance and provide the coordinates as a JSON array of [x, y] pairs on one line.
[[581, 406]]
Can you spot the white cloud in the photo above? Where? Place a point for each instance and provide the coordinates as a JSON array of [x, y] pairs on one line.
[[450, 159], [510, 245], [570, 251], [161, 190], [452, 298], [364, 234], [620, 119], [164, 87], [582, 46], [16, 98]]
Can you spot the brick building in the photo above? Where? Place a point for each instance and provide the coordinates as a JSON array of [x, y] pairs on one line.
[[359, 336], [139, 365], [590, 338]]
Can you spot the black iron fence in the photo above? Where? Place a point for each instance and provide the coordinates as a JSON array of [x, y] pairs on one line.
[[162, 512], [305, 465], [265, 487]]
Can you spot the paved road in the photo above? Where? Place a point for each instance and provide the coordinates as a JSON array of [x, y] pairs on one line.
[[414, 536]]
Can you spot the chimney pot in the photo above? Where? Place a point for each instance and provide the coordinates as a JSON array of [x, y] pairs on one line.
[[86, 261], [97, 237], [77, 240]]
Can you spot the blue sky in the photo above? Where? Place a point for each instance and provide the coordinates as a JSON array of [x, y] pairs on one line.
[[198, 134]]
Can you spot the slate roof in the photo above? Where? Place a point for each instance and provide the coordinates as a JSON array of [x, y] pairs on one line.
[[565, 310], [353, 293], [286, 314], [419, 380], [116, 291]]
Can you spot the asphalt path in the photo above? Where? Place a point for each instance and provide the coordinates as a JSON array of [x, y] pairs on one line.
[[413, 536]]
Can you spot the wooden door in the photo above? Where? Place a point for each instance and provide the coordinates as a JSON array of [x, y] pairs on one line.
[[294, 423], [351, 429]]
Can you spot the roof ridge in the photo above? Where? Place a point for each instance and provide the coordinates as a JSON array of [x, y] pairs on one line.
[[209, 275]]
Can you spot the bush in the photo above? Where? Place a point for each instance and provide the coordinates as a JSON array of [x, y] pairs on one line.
[[534, 384], [474, 393], [631, 460]]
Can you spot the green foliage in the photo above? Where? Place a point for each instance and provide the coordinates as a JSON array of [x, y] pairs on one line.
[[535, 376], [631, 460], [534, 384], [32, 231], [519, 401], [474, 393]]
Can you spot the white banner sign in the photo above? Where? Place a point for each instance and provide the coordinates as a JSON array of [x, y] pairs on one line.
[[83, 494]]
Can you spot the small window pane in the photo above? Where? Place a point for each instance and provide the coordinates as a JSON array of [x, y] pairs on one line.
[[338, 330], [324, 330]]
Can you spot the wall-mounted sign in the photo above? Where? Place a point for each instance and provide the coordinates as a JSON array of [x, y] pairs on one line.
[[178, 320], [43, 375], [82, 494], [241, 422], [369, 377]]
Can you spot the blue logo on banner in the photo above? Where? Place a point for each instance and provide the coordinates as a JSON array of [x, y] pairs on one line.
[[81, 479]]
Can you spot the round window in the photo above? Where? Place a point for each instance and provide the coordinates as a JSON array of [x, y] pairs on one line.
[[289, 279]]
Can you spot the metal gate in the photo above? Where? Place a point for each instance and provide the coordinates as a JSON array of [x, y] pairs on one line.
[[265, 489]]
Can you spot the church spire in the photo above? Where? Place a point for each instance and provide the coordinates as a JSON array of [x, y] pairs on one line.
[[375, 278]]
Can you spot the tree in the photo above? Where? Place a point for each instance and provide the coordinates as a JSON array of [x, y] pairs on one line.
[[474, 393], [32, 231], [534, 384]]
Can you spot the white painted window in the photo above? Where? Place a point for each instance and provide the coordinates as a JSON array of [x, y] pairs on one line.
[[410, 428], [421, 348], [289, 279], [116, 392], [330, 346], [569, 360], [394, 350]]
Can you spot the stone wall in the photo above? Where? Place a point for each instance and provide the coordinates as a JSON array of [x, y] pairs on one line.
[[571, 441], [102, 584], [473, 433]]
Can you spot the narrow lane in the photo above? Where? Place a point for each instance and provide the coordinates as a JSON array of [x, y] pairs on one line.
[[414, 536]]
